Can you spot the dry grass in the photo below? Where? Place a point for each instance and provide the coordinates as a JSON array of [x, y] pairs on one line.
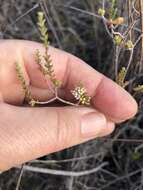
[[74, 27]]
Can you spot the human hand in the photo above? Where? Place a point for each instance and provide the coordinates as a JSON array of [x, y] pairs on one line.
[[28, 133]]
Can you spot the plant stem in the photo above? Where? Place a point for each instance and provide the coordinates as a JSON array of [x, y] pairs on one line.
[[117, 52], [141, 15], [46, 102], [66, 102], [130, 59], [57, 98], [20, 177]]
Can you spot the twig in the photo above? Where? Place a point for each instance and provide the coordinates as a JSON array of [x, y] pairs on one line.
[[121, 178], [20, 177], [54, 99], [117, 53], [130, 19], [64, 173], [66, 102], [137, 41], [130, 60], [124, 140], [45, 9], [141, 15], [133, 6], [103, 4], [106, 27], [56, 16], [66, 160], [138, 147], [129, 29], [109, 173], [46, 102], [94, 15], [81, 10], [26, 13]]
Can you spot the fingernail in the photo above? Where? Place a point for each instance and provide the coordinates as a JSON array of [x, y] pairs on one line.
[[92, 124], [110, 125]]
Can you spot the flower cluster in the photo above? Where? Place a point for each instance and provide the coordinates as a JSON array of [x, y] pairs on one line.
[[139, 89], [101, 12], [80, 94], [121, 77], [24, 84], [47, 66], [43, 29]]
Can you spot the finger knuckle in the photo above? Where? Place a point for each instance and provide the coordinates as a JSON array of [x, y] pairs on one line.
[[66, 126]]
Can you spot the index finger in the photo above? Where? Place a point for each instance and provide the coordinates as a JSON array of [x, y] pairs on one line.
[[107, 96]]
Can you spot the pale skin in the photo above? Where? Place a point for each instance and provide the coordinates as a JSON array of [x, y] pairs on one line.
[[28, 133]]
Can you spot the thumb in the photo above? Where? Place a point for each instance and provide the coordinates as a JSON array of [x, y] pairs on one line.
[[29, 133]]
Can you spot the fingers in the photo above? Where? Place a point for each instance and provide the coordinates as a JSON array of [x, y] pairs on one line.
[[26, 133], [106, 95]]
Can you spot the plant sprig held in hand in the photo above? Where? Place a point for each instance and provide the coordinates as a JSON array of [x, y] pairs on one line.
[[46, 67]]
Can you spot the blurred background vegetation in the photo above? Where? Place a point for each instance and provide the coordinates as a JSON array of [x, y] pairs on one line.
[[110, 163]]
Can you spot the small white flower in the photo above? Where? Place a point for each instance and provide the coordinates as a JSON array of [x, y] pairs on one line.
[[78, 92]]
